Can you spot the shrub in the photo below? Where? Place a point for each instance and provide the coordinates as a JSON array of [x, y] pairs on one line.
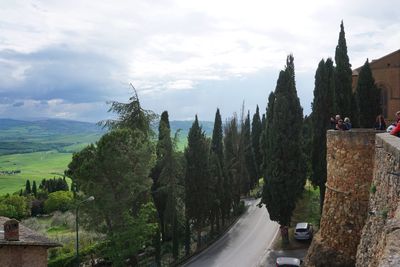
[[241, 208], [14, 206], [37, 207], [60, 200]]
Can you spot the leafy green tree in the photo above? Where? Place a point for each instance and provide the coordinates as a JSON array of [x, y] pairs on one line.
[[285, 175], [28, 189], [197, 179], [59, 200], [323, 107], [343, 79], [130, 115], [116, 173], [14, 206], [367, 97], [256, 131]]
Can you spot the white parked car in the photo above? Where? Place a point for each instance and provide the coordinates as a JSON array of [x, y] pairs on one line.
[[288, 262], [303, 231]]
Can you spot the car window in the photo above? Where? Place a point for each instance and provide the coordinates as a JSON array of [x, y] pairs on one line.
[[301, 230]]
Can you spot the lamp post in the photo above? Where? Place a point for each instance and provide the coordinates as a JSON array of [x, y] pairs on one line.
[[91, 198]]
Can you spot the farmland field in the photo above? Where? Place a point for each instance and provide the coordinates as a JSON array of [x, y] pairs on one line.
[[43, 149], [32, 166]]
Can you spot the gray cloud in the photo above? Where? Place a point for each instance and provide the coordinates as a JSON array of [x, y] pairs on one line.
[[58, 72]]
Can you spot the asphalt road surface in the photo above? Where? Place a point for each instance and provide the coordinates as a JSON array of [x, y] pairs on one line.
[[245, 244]]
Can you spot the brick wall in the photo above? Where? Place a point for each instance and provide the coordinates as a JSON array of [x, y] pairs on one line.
[[23, 256]]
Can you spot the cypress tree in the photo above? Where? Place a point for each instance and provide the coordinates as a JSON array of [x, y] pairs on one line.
[[323, 107], [367, 97], [343, 91], [28, 187], [233, 182], [285, 172], [251, 164], [216, 168], [256, 131], [197, 179], [163, 145], [34, 189], [265, 137]]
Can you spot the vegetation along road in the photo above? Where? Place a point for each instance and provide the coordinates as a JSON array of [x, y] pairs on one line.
[[245, 244]]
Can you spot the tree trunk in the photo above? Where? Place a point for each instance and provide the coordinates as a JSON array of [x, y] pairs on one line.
[[198, 238], [212, 223], [217, 219], [284, 234]]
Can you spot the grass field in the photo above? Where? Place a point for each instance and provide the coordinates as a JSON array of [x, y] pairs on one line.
[[33, 166]]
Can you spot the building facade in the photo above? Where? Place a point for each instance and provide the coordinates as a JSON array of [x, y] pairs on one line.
[[386, 72], [21, 246]]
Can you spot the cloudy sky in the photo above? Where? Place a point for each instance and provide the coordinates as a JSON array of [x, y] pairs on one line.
[[65, 59]]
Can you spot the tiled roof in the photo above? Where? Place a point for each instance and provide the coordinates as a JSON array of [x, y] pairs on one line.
[[27, 237]]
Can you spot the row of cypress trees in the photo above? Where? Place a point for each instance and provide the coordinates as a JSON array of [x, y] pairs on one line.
[[333, 95], [202, 186]]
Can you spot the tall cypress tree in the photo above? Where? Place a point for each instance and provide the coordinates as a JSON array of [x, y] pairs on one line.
[[285, 175], [34, 188], [256, 131], [197, 179], [343, 78], [216, 167], [265, 137], [163, 145], [232, 185], [28, 189], [367, 97], [323, 108], [251, 165]]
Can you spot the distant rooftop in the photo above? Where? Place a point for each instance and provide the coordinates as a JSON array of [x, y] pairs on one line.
[[27, 237]]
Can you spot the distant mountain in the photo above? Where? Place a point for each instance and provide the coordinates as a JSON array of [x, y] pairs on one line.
[[49, 126], [20, 136], [17, 136]]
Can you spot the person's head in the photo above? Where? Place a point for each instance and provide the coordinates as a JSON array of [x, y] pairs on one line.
[[337, 117], [398, 114], [347, 120], [340, 121]]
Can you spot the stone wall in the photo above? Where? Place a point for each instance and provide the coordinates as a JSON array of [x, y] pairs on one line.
[[350, 159], [380, 240], [23, 256]]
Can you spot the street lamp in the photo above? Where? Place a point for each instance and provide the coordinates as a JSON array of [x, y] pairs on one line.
[[91, 198]]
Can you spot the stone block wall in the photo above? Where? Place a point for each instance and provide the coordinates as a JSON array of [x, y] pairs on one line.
[[350, 159], [380, 239]]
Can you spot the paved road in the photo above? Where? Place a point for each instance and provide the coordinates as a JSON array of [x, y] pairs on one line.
[[245, 244]]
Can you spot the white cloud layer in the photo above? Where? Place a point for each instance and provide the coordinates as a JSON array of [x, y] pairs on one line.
[[85, 52]]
